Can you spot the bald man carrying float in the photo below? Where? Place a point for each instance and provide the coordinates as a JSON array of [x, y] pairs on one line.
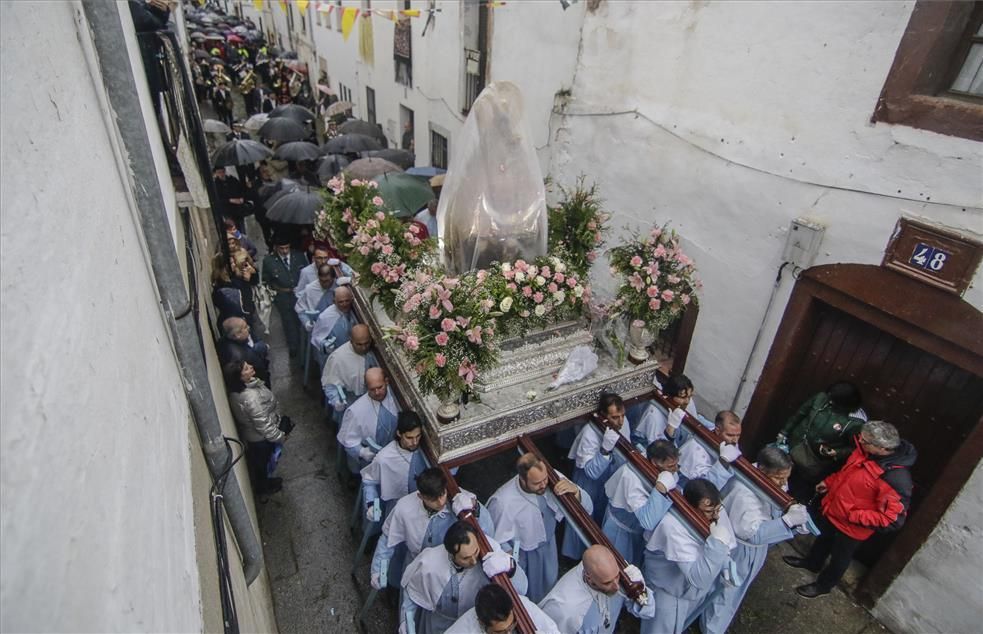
[[588, 599], [333, 328], [343, 378], [369, 424]]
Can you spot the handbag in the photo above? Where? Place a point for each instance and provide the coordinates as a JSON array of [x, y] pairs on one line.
[[263, 300]]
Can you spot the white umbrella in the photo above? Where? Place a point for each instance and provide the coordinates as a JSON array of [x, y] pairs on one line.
[[214, 126]]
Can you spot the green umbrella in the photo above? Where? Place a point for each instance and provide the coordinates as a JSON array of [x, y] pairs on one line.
[[404, 193]]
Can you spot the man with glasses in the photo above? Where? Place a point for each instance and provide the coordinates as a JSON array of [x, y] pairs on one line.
[[683, 570], [871, 493], [588, 599], [493, 614]]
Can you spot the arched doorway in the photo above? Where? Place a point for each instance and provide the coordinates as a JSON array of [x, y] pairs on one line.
[[916, 352]]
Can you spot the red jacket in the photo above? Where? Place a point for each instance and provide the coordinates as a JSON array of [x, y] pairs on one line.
[[870, 492]]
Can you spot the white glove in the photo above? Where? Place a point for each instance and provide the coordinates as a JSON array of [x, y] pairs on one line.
[[634, 574], [610, 440], [668, 479], [495, 563], [366, 454], [729, 453], [403, 628], [309, 326], [796, 515], [340, 406], [720, 532], [372, 514], [463, 502], [374, 580], [676, 417]]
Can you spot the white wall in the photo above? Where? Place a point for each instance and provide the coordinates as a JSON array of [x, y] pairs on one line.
[[96, 519], [749, 115], [940, 588]]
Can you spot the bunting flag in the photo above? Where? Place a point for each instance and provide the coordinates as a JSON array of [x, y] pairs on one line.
[[324, 7], [283, 5], [348, 21], [413, 13], [302, 5], [366, 40], [258, 4]]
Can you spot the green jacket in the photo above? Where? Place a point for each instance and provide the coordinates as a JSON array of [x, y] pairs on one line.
[[816, 423]]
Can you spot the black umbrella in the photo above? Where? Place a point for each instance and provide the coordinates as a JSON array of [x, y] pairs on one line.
[[330, 166], [297, 151], [357, 126], [298, 207], [200, 54], [283, 129], [346, 143], [271, 192], [240, 152], [299, 114], [403, 158]]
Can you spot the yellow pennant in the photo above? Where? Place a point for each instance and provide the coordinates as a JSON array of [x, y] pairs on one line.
[[283, 5], [366, 40], [389, 15], [302, 5], [348, 21], [258, 4], [413, 13]]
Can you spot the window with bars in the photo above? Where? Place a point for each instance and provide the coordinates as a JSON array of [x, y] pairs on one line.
[[936, 81], [438, 150], [337, 15], [344, 93], [370, 105]]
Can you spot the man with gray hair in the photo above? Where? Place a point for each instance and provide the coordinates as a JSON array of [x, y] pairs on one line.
[[871, 493]]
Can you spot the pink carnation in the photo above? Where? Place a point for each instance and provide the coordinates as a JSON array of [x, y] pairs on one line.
[[667, 295], [684, 299], [520, 265], [364, 250], [377, 201], [412, 343], [442, 338], [559, 277], [511, 286], [654, 304], [356, 183], [388, 249], [377, 268], [510, 274], [652, 291], [379, 215], [527, 291], [434, 312], [440, 359], [553, 287], [660, 251], [538, 298], [448, 325]]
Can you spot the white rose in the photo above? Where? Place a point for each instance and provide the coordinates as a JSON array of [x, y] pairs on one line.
[[540, 280], [520, 276], [505, 305], [560, 266], [506, 267], [578, 291], [540, 310], [559, 296]]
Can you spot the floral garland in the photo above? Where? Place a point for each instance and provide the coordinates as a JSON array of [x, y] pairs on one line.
[[658, 279], [450, 335], [529, 296], [577, 226], [380, 247]]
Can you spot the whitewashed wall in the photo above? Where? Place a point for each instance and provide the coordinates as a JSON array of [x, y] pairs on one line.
[[103, 524], [735, 119]]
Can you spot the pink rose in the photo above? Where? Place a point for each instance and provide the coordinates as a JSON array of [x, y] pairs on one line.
[[442, 338], [440, 359], [527, 291], [654, 304], [511, 286], [545, 271], [652, 291], [356, 183], [667, 295], [538, 298], [635, 261], [377, 201], [510, 274], [388, 249], [434, 312], [379, 215], [553, 287], [660, 251], [571, 282], [559, 277], [448, 325], [412, 343], [377, 268], [684, 299], [520, 265], [364, 250]]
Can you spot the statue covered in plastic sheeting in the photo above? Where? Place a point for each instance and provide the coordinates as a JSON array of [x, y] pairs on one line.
[[493, 205]]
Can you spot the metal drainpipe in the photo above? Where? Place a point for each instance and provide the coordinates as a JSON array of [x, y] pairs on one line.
[[117, 75]]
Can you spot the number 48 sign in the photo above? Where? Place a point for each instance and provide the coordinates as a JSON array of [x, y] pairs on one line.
[[928, 257]]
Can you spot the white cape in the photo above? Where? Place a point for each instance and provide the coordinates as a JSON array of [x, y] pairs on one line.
[[346, 368], [391, 469], [516, 515], [468, 623], [360, 419]]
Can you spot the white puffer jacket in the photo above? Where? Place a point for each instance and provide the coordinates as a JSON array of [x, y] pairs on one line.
[[255, 411]]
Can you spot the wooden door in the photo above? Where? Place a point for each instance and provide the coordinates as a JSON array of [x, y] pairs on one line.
[[919, 369]]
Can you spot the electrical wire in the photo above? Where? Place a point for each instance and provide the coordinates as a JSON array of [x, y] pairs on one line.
[[229, 616], [637, 113]]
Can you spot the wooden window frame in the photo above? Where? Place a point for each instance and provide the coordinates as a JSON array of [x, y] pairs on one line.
[[447, 148], [930, 54], [370, 113]]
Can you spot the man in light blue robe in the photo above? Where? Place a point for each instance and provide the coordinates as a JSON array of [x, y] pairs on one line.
[[333, 327], [343, 377], [683, 570], [392, 473], [494, 611], [695, 461], [650, 420], [420, 520], [315, 298], [369, 424], [635, 507], [596, 461], [757, 525], [525, 513], [441, 584], [588, 599]]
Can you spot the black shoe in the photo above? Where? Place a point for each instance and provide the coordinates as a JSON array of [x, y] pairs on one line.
[[811, 591], [798, 562], [273, 485]]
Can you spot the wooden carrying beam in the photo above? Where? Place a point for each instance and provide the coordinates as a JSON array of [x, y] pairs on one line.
[[650, 472], [742, 464], [523, 621], [576, 512]]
